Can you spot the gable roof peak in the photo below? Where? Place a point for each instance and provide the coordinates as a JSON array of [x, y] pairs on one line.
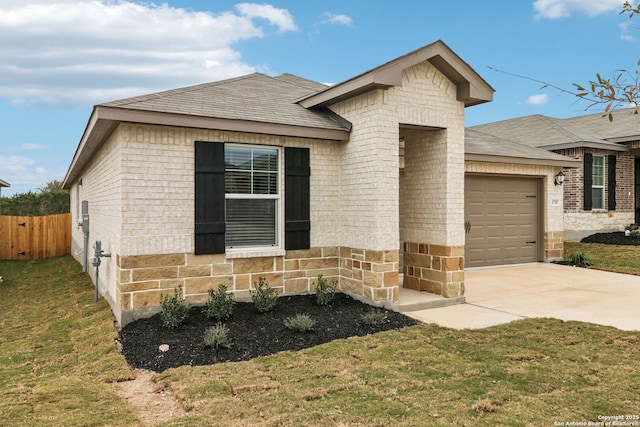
[[472, 89]]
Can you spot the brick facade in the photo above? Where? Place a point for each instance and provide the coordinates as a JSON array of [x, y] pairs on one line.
[[580, 223]]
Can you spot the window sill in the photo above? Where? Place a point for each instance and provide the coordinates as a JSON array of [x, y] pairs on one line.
[[254, 253]]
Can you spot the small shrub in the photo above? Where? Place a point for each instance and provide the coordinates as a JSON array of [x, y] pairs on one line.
[[580, 259], [174, 309], [374, 317], [300, 323], [217, 336], [325, 293], [264, 297], [220, 304], [632, 230]]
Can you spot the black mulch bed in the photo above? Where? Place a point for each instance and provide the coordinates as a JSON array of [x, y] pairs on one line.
[[615, 238], [253, 334]]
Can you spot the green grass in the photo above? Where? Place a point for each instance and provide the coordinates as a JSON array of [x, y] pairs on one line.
[[57, 352], [533, 372], [57, 357], [619, 259]]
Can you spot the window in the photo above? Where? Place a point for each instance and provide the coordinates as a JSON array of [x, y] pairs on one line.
[[251, 196], [238, 201], [597, 184]]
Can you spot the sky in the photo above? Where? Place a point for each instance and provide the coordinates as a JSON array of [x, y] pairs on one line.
[[59, 58]]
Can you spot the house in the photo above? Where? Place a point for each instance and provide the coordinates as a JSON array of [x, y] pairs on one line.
[[284, 178], [602, 194], [3, 184]]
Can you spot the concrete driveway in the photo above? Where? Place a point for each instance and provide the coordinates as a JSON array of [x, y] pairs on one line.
[[502, 294]]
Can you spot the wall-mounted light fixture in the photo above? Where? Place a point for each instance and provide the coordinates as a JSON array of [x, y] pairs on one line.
[[559, 178]]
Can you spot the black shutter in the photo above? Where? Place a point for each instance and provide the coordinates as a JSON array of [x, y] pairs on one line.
[[588, 181], [296, 198], [611, 186], [209, 198]]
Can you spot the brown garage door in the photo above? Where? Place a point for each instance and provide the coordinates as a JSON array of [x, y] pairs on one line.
[[501, 220]]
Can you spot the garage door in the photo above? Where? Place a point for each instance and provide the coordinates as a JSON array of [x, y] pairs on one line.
[[501, 220]]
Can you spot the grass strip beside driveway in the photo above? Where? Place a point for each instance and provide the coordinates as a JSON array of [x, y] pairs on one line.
[[616, 258]]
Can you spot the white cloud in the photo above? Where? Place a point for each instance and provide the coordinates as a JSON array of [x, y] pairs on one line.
[[537, 99], [626, 27], [24, 174], [337, 19], [79, 52], [279, 17], [554, 9], [13, 164]]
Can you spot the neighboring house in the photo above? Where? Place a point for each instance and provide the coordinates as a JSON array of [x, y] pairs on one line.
[[603, 194], [285, 178], [3, 184]]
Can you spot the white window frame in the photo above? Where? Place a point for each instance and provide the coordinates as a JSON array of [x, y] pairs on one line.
[[249, 250], [595, 186]]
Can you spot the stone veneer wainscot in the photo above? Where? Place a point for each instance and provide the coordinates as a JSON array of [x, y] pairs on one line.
[[142, 279]]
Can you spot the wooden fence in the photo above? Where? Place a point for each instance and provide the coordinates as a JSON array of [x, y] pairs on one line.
[[35, 237]]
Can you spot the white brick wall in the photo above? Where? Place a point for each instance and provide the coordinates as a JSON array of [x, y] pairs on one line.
[[155, 166], [371, 186], [369, 212], [101, 187], [433, 181]]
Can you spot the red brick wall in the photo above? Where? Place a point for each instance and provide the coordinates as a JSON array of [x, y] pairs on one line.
[[573, 184]]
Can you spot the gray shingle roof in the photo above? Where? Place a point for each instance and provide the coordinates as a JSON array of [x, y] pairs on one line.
[[477, 142], [625, 125], [548, 132], [534, 131], [255, 97]]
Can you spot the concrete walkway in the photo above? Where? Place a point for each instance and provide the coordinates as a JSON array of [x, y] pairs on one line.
[[502, 294]]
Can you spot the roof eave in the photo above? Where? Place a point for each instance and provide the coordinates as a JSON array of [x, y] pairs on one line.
[[216, 123], [585, 144], [471, 88], [104, 120], [95, 134], [4, 184], [624, 139], [489, 158]]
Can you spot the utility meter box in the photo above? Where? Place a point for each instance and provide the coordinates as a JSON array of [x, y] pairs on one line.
[[84, 222]]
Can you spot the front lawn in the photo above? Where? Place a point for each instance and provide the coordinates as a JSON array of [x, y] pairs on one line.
[[58, 355], [57, 349], [616, 258]]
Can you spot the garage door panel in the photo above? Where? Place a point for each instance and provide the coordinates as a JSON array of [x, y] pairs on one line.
[[503, 215]]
